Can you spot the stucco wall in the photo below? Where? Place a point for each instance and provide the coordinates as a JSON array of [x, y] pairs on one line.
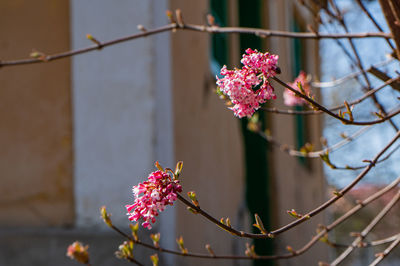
[[296, 187], [114, 93], [35, 114], [134, 103], [207, 138]]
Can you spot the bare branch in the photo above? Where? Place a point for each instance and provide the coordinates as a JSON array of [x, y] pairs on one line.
[[197, 28], [367, 229], [382, 255]]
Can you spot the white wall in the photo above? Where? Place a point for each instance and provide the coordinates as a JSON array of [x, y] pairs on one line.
[[117, 124]]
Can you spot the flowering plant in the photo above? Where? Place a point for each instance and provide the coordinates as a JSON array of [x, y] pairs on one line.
[[241, 85], [301, 84], [78, 252], [247, 89], [158, 191]]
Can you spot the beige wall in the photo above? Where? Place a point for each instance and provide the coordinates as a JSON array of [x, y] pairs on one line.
[[202, 124], [35, 135], [35, 115], [295, 187], [207, 139]]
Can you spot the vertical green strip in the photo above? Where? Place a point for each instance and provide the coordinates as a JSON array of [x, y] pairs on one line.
[[297, 66], [257, 176], [219, 42]]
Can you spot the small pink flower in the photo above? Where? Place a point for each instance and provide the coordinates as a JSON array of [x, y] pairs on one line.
[[259, 62], [239, 84], [290, 98], [158, 191], [78, 252]]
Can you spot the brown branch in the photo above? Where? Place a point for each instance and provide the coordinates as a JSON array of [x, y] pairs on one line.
[[384, 77], [357, 60], [298, 252], [327, 111], [286, 34], [391, 16], [383, 254], [192, 27], [334, 108], [348, 167], [382, 241], [341, 192], [365, 244], [367, 230], [134, 261], [312, 154], [306, 216], [347, 215], [339, 81], [380, 107], [195, 255], [373, 20], [70, 53]]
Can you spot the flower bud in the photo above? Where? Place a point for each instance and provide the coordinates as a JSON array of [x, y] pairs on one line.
[[154, 259], [125, 250], [78, 252], [209, 249], [156, 239], [134, 229], [181, 245], [192, 196], [178, 169], [259, 224], [250, 251], [105, 216]]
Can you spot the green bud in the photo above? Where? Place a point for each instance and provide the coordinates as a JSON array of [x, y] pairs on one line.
[[154, 259], [156, 239], [192, 196], [159, 167], [105, 216], [181, 245], [259, 224], [134, 229], [178, 169]]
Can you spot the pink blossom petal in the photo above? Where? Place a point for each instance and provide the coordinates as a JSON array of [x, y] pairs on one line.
[[239, 84], [157, 192]]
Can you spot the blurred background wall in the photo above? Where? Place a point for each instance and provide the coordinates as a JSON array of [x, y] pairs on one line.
[[78, 133]]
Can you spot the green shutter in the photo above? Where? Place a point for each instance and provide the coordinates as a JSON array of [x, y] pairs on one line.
[[256, 161], [219, 42], [255, 147], [297, 66]]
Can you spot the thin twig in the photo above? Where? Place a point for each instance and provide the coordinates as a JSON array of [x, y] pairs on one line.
[[327, 111], [298, 252], [198, 28], [365, 244], [382, 241], [336, 82], [306, 216], [334, 108], [373, 20], [347, 215], [313, 154], [49, 58], [349, 167], [340, 19], [383, 254], [367, 230], [134, 261]]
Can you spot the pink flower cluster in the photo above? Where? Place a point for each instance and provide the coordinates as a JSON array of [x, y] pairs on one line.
[[290, 98], [239, 84], [77, 251], [158, 192]]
